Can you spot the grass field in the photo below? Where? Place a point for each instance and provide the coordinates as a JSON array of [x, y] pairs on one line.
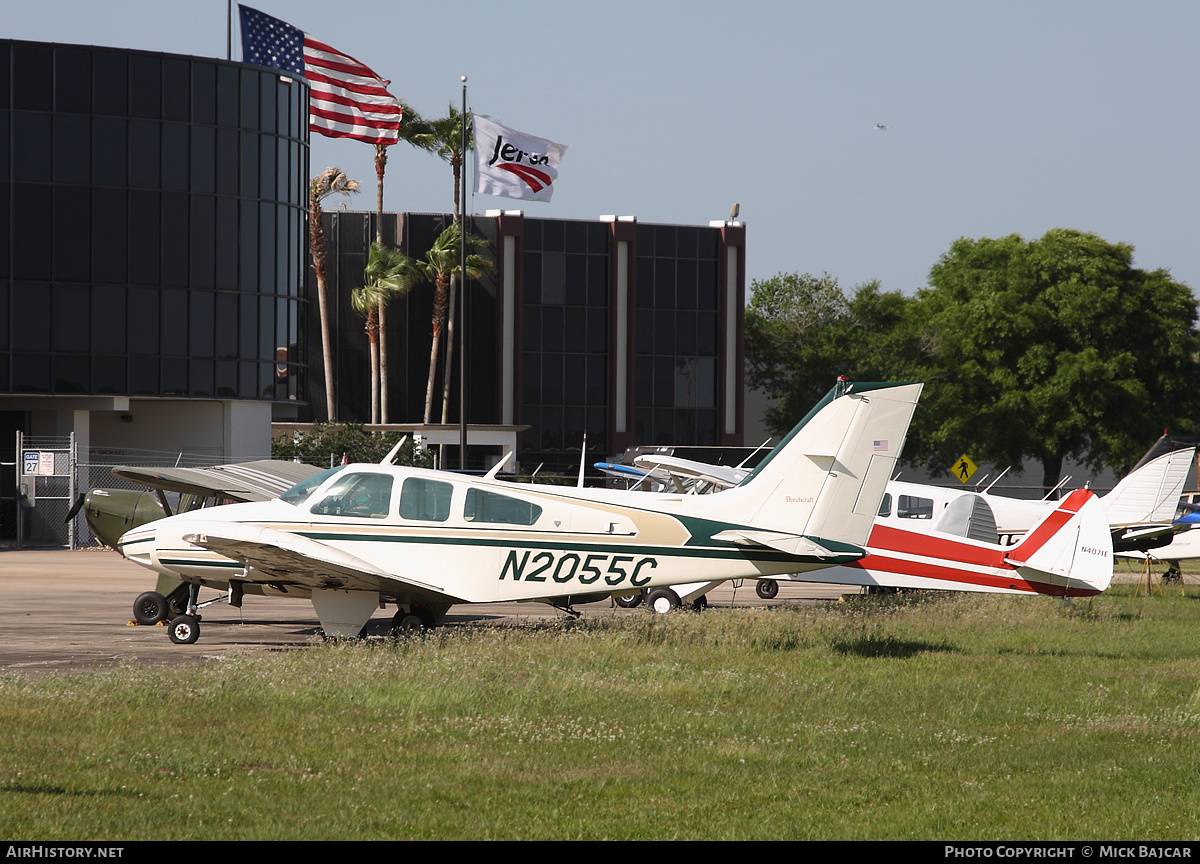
[[926, 717]]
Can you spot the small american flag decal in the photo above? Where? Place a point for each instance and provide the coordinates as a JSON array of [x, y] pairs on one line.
[[881, 446]]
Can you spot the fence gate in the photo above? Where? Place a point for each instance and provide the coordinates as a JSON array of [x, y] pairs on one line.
[[45, 491]]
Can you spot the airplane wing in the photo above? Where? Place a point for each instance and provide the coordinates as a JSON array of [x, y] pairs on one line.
[[280, 556], [719, 475], [246, 481]]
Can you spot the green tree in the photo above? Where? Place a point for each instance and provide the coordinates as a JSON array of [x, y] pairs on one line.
[[802, 332], [389, 273], [326, 443], [365, 301], [331, 181], [1051, 349]]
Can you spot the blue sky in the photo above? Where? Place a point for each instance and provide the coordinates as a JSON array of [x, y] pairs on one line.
[[1003, 118]]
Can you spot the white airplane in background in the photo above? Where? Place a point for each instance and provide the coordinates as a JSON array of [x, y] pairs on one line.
[[358, 536]]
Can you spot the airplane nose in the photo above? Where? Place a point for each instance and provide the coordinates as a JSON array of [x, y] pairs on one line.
[[138, 545]]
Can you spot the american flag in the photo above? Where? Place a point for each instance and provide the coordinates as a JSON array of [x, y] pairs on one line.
[[346, 99]]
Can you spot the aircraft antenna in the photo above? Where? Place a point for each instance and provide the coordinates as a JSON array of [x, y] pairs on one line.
[[387, 460], [1061, 483], [582, 459], [997, 480], [742, 464]]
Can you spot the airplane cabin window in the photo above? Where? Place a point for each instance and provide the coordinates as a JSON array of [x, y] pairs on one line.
[[913, 507], [484, 506], [366, 496], [885, 506], [300, 493], [427, 500]]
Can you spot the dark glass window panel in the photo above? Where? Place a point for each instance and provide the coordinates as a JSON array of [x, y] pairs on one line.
[[551, 421], [575, 328], [266, 330], [664, 427], [597, 380], [32, 74], [72, 81], [267, 381], [706, 333], [645, 283], [552, 329], [644, 336], [574, 425], [531, 287], [32, 147], [204, 92], [282, 169], [248, 246], [706, 429], [597, 280], [110, 238], [282, 307], [599, 234], [226, 243], [174, 242], [108, 374], [664, 241], [664, 332], [202, 250], [227, 383], [31, 233], [5, 228], [4, 368], [249, 165], [201, 323], [30, 373], [710, 244], [175, 156], [268, 82], [282, 261], [5, 80], [554, 276], [31, 317], [227, 162], [687, 242], [144, 322], [145, 153], [597, 426], [145, 220], [176, 78], [110, 151], [706, 287], [685, 332], [645, 240], [597, 331], [111, 83], [203, 159], [531, 328], [266, 169], [108, 320], [706, 382], [174, 377], [72, 374], [664, 283], [553, 236], [174, 305], [249, 100], [576, 280], [227, 96], [552, 380], [643, 382], [685, 285], [576, 236], [143, 377], [664, 381], [200, 377], [227, 324], [266, 244], [643, 423], [283, 105], [145, 87], [531, 240], [574, 378], [4, 148], [3, 322], [72, 233], [248, 380], [531, 378]]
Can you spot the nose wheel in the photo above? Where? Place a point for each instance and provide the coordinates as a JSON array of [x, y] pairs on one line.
[[184, 630]]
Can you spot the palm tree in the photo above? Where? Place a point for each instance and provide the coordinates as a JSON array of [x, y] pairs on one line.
[[442, 261], [331, 181], [365, 301], [391, 272], [444, 137]]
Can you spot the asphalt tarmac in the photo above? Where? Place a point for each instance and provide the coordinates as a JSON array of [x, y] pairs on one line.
[[64, 611]]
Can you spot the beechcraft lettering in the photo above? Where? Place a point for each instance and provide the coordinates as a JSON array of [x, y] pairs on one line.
[[509, 153]]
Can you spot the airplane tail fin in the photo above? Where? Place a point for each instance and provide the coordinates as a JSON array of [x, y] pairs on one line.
[[1070, 551], [826, 479], [1150, 492]]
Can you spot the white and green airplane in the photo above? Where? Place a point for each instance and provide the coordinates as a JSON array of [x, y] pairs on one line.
[[360, 536]]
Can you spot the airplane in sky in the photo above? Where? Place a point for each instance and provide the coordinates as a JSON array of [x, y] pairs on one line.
[[356, 537]]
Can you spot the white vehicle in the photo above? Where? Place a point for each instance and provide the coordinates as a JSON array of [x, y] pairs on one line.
[[360, 536]]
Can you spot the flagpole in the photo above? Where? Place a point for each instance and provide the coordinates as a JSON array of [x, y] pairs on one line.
[[462, 300]]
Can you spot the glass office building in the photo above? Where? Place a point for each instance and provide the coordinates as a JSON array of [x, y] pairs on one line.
[[152, 246]]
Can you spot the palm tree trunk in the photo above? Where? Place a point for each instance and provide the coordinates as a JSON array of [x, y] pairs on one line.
[[439, 318], [316, 242]]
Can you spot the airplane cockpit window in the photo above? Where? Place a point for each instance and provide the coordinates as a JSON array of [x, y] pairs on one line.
[[885, 506], [300, 493], [484, 506], [366, 496], [427, 500], [913, 507]]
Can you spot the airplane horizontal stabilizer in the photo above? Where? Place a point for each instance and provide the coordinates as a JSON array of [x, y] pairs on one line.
[[794, 544]]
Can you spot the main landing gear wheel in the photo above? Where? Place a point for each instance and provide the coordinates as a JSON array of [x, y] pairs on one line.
[[767, 589], [149, 608], [629, 601], [663, 600], [700, 604], [184, 630], [404, 623]]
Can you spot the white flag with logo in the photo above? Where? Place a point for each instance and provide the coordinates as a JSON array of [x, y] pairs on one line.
[[513, 164]]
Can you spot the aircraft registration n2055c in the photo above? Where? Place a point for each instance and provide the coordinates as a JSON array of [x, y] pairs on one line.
[[360, 536]]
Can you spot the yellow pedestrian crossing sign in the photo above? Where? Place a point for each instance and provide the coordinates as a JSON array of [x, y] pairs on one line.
[[964, 468]]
